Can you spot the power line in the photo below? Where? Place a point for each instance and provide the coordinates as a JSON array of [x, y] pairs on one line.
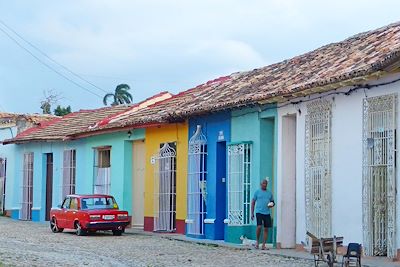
[[51, 59], [47, 65]]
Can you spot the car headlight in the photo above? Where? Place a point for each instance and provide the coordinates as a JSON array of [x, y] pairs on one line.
[[122, 216], [94, 217]]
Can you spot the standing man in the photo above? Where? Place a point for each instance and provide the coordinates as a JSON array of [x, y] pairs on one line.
[[262, 200]]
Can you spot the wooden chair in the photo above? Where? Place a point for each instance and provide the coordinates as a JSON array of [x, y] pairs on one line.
[[325, 249]]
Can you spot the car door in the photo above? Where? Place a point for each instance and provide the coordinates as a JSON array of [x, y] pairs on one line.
[[63, 213], [71, 213]]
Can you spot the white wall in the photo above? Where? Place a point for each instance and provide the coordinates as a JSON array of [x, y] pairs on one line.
[[346, 161], [9, 153]]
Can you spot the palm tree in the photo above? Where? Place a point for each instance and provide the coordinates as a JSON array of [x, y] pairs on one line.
[[120, 96]]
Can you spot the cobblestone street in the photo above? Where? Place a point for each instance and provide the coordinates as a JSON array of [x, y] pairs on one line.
[[33, 244]]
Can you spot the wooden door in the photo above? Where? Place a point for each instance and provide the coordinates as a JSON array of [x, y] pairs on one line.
[[49, 184], [138, 167]]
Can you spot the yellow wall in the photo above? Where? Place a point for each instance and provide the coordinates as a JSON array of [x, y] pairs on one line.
[[176, 132]]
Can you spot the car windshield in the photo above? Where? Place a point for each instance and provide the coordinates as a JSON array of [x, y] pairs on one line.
[[94, 203]]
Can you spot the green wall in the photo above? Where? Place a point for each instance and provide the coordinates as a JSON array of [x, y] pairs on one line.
[[257, 125]]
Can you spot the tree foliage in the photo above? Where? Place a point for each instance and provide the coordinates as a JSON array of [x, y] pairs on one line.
[[62, 111], [120, 96]]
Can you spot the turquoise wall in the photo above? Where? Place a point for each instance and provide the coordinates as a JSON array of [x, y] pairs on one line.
[[121, 164], [39, 174], [258, 125], [121, 170]]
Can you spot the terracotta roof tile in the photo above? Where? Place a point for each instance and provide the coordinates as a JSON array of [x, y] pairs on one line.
[[358, 56]]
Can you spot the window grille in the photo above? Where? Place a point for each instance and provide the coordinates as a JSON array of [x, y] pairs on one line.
[[379, 175], [102, 171], [318, 168], [239, 196], [3, 164], [69, 173], [27, 188], [165, 188], [197, 183]]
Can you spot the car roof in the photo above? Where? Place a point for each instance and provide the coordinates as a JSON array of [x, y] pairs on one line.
[[89, 196]]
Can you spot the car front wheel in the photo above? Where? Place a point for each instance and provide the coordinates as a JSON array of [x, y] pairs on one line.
[[79, 230], [117, 232], [53, 226]]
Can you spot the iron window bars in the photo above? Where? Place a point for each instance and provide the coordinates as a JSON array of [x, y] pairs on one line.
[[379, 175], [197, 183], [239, 198], [318, 192], [165, 188], [27, 187]]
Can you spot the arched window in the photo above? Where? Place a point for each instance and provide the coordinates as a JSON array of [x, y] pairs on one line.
[[197, 183], [165, 188]]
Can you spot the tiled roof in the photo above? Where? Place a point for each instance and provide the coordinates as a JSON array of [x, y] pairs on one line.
[[77, 122], [358, 56], [329, 67], [34, 118], [60, 128]]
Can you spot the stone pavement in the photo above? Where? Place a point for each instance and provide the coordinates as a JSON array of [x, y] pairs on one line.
[[290, 253]]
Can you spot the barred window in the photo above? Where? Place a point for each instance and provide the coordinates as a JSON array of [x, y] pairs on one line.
[[69, 172], [27, 187], [102, 170], [239, 196]]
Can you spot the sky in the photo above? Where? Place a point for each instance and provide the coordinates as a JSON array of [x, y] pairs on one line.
[[160, 45]]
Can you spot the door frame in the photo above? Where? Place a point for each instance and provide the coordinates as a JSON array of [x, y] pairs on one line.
[[134, 197], [49, 183], [288, 182]]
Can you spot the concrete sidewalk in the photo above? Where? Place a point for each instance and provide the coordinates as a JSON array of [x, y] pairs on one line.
[[288, 253]]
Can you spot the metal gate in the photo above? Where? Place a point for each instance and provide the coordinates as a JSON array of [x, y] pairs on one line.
[[318, 168], [379, 176], [239, 195], [165, 189], [197, 183], [3, 164], [27, 188]]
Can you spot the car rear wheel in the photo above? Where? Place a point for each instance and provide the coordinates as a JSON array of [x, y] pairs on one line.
[[53, 226], [79, 230], [117, 232]]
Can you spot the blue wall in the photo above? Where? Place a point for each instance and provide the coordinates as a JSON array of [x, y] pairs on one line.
[[212, 125]]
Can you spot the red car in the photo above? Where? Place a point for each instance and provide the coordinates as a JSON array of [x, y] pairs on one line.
[[88, 213]]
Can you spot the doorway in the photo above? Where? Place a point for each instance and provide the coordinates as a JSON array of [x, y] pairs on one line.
[[288, 189], [138, 172], [379, 176], [3, 170], [221, 191], [165, 189], [49, 184]]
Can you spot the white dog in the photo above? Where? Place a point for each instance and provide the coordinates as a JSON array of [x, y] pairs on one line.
[[247, 242]]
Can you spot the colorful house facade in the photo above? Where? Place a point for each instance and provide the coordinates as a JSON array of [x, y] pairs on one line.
[[209, 136], [10, 125], [166, 171], [344, 167], [251, 158], [321, 127]]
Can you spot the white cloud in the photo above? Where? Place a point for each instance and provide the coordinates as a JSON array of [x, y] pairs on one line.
[[175, 44]]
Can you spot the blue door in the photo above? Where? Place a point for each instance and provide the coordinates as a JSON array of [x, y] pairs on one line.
[[221, 191]]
